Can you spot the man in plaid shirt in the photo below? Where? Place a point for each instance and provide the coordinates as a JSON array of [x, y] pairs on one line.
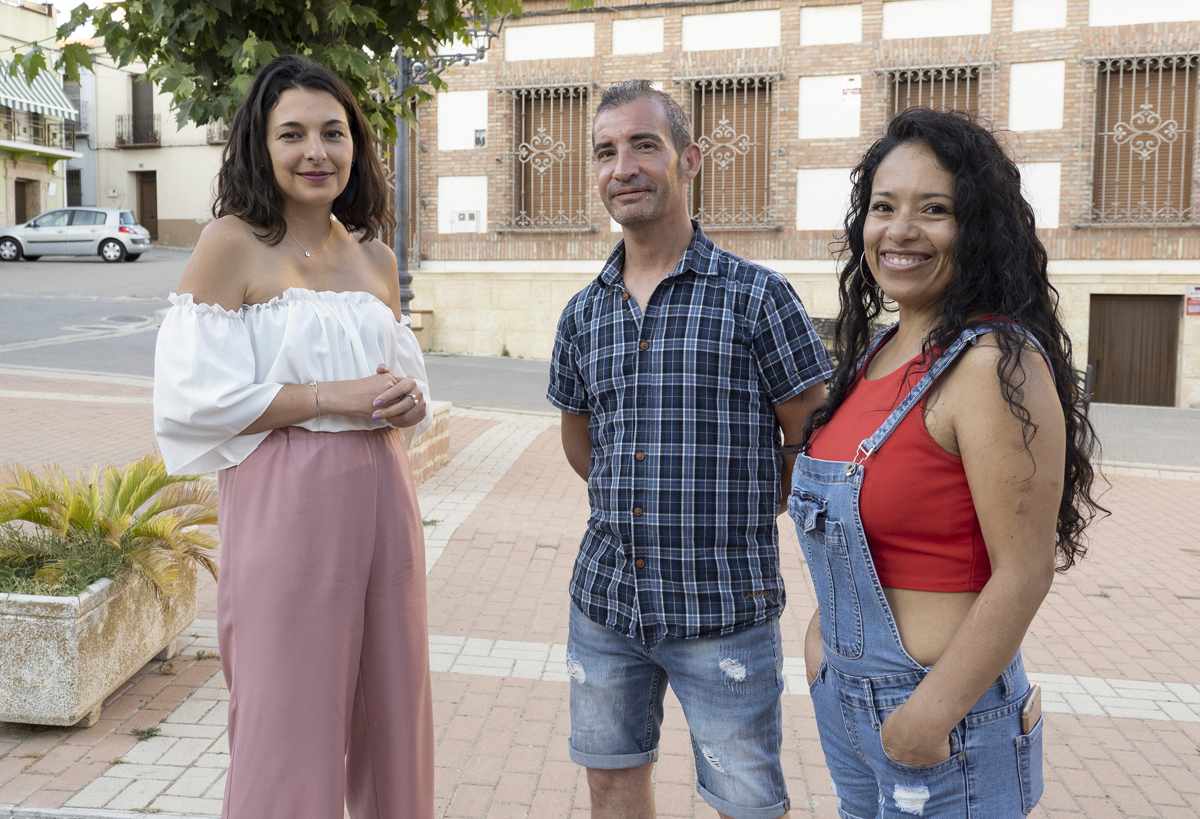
[[675, 370]]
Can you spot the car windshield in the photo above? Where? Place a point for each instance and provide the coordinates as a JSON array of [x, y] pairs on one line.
[[127, 218]]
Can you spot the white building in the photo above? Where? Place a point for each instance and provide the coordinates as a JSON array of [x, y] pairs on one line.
[[132, 153]]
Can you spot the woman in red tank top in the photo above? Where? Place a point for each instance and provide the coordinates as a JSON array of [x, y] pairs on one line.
[[963, 434]]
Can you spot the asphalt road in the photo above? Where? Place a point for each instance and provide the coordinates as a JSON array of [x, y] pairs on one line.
[[85, 314]]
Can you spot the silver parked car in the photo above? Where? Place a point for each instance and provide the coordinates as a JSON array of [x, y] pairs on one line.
[[110, 233]]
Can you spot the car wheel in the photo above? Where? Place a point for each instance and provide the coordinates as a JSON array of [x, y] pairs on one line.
[[132, 257], [111, 250], [10, 249]]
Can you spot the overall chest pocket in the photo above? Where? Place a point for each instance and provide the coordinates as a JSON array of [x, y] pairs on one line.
[[826, 551]]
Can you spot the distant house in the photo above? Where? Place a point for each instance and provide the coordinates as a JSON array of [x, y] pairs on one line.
[[132, 152], [1096, 100], [37, 122]]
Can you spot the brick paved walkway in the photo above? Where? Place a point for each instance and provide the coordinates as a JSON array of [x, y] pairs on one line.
[[1116, 647]]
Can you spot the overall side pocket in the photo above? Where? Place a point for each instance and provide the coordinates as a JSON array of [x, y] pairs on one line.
[[1029, 766]]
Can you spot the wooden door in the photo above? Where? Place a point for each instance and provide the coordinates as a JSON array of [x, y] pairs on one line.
[[147, 214], [1133, 349], [27, 200]]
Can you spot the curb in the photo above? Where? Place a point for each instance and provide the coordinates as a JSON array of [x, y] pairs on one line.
[[76, 375], [86, 813], [1168, 472]]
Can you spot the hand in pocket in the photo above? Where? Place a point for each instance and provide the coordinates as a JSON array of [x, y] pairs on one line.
[[912, 741]]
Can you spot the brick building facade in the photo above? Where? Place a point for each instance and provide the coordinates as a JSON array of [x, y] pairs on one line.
[[1095, 99]]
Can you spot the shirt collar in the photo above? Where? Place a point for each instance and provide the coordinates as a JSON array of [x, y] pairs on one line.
[[700, 257]]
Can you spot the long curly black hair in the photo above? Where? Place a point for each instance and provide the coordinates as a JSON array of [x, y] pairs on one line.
[[1000, 269]]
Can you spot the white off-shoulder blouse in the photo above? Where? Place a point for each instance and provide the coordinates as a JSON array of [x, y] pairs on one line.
[[216, 370]]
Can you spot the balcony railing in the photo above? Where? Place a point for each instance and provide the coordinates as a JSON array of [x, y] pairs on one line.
[[218, 132], [47, 132], [136, 131]]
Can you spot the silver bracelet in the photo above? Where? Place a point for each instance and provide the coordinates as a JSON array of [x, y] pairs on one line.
[[316, 398]]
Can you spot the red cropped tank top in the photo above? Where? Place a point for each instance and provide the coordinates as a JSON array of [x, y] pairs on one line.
[[915, 503]]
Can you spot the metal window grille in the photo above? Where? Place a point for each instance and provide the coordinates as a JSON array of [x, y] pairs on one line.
[[133, 131], [218, 132], [550, 157], [942, 88], [731, 120], [22, 126], [1144, 139]]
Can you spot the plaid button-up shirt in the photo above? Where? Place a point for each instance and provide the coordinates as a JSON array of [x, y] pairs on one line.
[[684, 473]]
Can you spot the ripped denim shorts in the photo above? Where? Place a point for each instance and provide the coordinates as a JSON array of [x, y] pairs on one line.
[[729, 688]]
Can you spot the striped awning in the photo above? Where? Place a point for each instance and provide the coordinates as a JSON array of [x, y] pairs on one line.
[[44, 96]]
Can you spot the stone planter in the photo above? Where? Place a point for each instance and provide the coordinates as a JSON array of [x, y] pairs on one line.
[[60, 657]]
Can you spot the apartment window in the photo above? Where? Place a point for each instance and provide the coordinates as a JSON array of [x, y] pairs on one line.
[[550, 157], [217, 132], [1144, 146], [732, 121], [72, 91], [144, 125]]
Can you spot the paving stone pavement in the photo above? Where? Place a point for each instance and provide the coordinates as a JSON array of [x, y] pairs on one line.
[[1116, 647]]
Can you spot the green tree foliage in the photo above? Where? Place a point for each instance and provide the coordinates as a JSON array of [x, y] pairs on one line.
[[205, 54]]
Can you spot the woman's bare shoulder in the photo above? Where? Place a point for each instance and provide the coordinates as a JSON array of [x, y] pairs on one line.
[[384, 270], [383, 258], [219, 268]]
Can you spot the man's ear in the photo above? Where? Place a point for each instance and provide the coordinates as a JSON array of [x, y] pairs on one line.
[[689, 161]]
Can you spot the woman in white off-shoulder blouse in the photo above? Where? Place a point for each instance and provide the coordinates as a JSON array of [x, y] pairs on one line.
[[284, 365]]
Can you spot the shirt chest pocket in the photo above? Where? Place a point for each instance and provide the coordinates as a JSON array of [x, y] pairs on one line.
[[823, 539], [710, 346]]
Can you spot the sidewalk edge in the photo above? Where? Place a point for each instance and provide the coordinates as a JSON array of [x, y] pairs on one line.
[[8, 812], [1172, 472]]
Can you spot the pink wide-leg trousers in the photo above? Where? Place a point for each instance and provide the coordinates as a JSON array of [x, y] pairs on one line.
[[322, 628]]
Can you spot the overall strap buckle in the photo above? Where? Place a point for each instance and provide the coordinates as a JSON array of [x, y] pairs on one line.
[[860, 457]]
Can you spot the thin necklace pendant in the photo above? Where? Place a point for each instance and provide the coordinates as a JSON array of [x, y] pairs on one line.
[[308, 253]]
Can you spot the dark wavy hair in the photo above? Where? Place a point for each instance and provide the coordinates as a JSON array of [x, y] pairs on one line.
[[246, 184], [1000, 270]]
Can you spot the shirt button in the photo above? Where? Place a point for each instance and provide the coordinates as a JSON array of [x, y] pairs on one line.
[[637, 511], [639, 456], [624, 295], [643, 345], [641, 564]]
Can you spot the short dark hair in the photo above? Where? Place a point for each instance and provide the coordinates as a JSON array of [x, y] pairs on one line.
[[628, 91], [366, 203]]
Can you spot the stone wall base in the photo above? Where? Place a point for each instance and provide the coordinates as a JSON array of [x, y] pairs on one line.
[[430, 451]]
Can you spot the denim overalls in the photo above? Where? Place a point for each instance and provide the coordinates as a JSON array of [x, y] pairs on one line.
[[994, 770]]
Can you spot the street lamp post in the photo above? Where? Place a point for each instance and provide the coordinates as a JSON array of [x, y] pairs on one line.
[[400, 163], [409, 74]]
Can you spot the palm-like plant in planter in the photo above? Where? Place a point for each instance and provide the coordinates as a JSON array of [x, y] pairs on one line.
[[97, 575], [137, 518]]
